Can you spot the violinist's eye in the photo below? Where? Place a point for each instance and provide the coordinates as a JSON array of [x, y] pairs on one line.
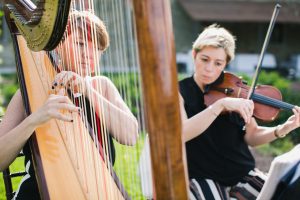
[[219, 64], [204, 59]]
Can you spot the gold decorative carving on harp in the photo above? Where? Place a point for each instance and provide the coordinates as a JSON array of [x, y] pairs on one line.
[[61, 175]]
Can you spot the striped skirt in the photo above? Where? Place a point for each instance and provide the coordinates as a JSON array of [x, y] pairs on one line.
[[247, 189]]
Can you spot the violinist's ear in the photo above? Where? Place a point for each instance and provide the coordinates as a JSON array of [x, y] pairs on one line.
[[194, 53]]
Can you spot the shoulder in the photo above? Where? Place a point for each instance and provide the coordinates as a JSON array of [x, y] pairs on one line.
[[104, 85], [103, 80], [185, 83], [17, 98], [15, 109]]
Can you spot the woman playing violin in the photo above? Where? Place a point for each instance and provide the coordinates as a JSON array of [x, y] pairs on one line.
[[217, 137]]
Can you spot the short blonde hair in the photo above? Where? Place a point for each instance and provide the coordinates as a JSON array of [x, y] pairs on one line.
[[216, 36], [88, 19]]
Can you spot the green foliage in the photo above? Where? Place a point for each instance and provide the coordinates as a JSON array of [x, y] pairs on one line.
[[8, 87], [269, 78], [274, 79], [276, 148], [1, 14], [182, 76]]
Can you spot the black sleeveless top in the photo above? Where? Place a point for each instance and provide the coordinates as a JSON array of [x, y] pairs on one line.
[[220, 152], [29, 188]]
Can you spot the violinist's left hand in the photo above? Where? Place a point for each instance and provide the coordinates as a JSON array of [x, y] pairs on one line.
[[70, 80], [293, 122]]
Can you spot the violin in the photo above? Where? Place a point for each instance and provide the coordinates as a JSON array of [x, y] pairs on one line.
[[267, 99]]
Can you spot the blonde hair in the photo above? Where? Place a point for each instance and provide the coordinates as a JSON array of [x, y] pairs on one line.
[[216, 36], [90, 21]]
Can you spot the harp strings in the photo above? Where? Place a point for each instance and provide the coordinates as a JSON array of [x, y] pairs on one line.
[[87, 34], [120, 63]]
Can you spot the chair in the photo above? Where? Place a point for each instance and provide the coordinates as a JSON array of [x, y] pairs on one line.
[[7, 177], [279, 168]]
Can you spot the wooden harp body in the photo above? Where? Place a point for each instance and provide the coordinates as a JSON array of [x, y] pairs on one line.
[[61, 172]]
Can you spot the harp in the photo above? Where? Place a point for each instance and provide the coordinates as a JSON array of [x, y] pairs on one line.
[[39, 26]]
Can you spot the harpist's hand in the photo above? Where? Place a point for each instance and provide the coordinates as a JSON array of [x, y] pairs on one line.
[[244, 107], [56, 107], [70, 80]]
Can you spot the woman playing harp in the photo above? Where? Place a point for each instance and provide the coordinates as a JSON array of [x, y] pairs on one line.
[[76, 65]]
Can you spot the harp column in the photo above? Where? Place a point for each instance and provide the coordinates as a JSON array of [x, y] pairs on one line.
[[160, 92]]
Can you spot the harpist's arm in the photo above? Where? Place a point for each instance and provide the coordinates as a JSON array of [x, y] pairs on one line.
[[109, 104], [16, 128], [14, 131]]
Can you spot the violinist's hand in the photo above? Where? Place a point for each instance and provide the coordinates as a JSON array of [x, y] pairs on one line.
[[293, 122], [70, 80], [244, 107], [54, 108]]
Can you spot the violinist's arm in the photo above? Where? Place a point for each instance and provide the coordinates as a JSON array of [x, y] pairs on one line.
[[258, 135], [197, 124]]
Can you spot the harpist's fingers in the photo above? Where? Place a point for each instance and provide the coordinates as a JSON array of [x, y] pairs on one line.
[[69, 107], [61, 92], [58, 80], [63, 117]]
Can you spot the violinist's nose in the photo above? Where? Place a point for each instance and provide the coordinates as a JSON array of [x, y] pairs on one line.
[[208, 66]]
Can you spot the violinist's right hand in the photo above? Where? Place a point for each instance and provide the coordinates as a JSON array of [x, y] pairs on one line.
[[244, 107], [54, 108]]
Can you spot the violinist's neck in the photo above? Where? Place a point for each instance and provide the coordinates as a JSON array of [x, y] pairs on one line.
[[199, 83]]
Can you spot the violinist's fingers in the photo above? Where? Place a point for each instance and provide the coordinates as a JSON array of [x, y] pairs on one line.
[[243, 113], [250, 113], [297, 108], [249, 110], [296, 111], [251, 107], [246, 110]]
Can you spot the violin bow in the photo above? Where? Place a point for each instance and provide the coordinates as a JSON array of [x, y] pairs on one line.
[[261, 57]]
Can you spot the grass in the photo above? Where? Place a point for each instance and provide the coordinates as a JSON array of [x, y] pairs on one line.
[[126, 167]]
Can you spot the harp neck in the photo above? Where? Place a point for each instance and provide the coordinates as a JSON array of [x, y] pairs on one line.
[[25, 11], [42, 24]]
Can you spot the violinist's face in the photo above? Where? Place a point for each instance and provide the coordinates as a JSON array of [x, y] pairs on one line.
[[79, 54], [209, 63]]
